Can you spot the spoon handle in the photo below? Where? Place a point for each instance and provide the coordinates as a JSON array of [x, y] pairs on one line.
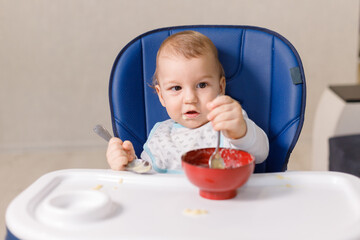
[[218, 141], [102, 132]]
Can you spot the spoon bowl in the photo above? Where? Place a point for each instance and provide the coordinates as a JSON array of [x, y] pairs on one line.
[[215, 160]]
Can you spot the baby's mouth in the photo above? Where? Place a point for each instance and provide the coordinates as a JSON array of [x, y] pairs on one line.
[[190, 115]]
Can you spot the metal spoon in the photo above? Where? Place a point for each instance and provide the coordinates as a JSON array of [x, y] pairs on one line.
[[215, 160], [136, 165]]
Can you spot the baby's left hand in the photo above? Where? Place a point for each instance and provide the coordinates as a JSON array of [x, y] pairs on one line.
[[226, 116]]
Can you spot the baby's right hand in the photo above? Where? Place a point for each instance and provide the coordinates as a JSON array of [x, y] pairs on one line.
[[119, 153]]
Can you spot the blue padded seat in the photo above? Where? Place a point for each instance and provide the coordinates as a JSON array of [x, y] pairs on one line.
[[263, 71]]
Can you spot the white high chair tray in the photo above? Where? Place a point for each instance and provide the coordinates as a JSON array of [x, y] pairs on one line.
[[103, 204]]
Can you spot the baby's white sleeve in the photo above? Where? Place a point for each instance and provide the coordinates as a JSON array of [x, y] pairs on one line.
[[255, 141]]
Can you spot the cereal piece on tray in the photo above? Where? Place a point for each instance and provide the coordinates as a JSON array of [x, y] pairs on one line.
[[98, 187], [195, 212]]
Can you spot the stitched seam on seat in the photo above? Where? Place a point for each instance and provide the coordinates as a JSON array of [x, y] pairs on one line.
[[272, 79], [128, 130], [290, 148], [287, 126], [144, 82], [241, 57]]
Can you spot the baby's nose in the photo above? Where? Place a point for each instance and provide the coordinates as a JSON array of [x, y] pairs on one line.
[[190, 96]]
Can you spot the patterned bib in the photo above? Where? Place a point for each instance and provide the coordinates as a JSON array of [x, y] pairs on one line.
[[168, 141]]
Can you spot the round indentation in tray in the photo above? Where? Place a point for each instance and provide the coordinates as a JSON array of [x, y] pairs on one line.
[[74, 207]]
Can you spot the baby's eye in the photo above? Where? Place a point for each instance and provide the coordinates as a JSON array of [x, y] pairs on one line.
[[202, 85], [176, 88]]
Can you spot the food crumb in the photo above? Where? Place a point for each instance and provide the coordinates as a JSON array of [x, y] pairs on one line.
[[280, 177], [288, 185], [121, 181], [195, 212], [98, 187]]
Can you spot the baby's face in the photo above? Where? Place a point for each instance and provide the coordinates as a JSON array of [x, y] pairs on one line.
[[187, 85]]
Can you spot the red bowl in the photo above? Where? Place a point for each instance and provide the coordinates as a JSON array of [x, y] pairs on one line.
[[218, 184]]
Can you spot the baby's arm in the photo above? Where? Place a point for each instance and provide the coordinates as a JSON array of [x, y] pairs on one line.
[[119, 153], [255, 141], [228, 116]]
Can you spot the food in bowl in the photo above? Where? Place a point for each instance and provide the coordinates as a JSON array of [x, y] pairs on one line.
[[218, 184]]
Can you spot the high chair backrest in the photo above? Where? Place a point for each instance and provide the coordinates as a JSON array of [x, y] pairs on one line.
[[263, 71]]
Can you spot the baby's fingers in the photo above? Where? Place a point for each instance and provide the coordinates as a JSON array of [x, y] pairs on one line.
[[220, 110], [115, 140], [116, 155], [129, 148], [218, 101], [117, 159], [115, 144]]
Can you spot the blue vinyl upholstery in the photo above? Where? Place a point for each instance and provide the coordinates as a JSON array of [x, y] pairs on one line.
[[263, 71]]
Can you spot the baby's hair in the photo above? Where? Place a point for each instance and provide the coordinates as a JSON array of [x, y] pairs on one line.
[[189, 44]]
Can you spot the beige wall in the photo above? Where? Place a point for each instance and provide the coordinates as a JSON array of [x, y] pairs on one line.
[[56, 56]]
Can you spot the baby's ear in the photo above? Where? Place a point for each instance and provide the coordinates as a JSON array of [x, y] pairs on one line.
[[222, 85], [158, 91]]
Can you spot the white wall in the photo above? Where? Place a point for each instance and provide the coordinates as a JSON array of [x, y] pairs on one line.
[[56, 56]]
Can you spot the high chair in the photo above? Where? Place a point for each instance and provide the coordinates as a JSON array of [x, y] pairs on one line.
[[263, 72]]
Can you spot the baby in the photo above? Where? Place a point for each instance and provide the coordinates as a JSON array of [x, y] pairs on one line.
[[190, 83]]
